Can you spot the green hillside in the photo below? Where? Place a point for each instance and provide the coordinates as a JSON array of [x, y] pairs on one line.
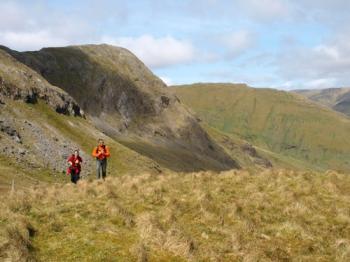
[[282, 122], [255, 158]]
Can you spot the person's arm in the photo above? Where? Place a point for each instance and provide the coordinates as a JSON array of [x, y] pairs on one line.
[[107, 152], [95, 153], [70, 160], [79, 160]]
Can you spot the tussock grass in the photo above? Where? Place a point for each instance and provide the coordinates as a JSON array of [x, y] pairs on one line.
[[273, 215]]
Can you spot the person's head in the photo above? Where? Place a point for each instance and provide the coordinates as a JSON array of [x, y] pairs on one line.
[[101, 142], [76, 152]]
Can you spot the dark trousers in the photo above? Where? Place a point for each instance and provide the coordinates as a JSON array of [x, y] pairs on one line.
[[74, 176], [101, 168]]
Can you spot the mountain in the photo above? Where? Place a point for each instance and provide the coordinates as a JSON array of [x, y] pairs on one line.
[[284, 123], [124, 100], [336, 98], [40, 125]]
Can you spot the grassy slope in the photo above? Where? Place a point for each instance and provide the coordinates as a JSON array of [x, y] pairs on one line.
[[123, 160], [245, 161], [233, 216], [21, 176], [278, 121]]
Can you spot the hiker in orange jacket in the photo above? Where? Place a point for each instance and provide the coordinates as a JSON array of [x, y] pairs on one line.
[[101, 153]]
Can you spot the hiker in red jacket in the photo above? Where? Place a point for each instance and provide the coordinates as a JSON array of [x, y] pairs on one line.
[[74, 166]]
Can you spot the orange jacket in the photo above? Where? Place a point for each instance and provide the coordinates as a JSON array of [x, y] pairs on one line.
[[101, 152]]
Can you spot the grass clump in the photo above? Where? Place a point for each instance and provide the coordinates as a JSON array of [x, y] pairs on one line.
[[272, 215]]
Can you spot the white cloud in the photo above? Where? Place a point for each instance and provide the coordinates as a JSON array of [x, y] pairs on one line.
[[31, 40], [320, 83], [328, 60], [237, 42], [265, 9], [13, 16], [321, 66], [156, 52], [31, 25], [167, 80]]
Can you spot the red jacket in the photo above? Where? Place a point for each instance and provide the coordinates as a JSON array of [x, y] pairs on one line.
[[75, 162]]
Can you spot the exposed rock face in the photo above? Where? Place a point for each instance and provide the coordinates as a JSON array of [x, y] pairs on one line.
[[124, 99], [36, 145], [251, 151], [10, 131], [19, 82]]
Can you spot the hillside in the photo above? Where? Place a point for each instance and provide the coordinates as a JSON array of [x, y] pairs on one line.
[[40, 125], [19, 82], [126, 101], [231, 216], [36, 141], [336, 98], [281, 122]]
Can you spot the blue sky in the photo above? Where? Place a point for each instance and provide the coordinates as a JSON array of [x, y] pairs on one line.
[[265, 43]]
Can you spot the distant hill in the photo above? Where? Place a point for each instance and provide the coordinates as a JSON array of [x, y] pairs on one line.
[[336, 98], [281, 122]]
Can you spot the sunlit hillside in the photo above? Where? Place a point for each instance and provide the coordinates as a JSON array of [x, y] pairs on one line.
[[279, 121]]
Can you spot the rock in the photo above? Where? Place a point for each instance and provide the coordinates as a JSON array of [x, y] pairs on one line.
[[165, 101], [22, 151], [5, 128], [28, 123], [249, 149], [31, 98], [17, 139], [263, 162], [82, 113]]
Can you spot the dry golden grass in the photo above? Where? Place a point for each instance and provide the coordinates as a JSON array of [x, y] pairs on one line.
[[274, 215]]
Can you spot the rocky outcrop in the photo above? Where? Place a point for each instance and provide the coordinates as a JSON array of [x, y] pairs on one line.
[[19, 82], [36, 144], [251, 151], [10, 131]]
